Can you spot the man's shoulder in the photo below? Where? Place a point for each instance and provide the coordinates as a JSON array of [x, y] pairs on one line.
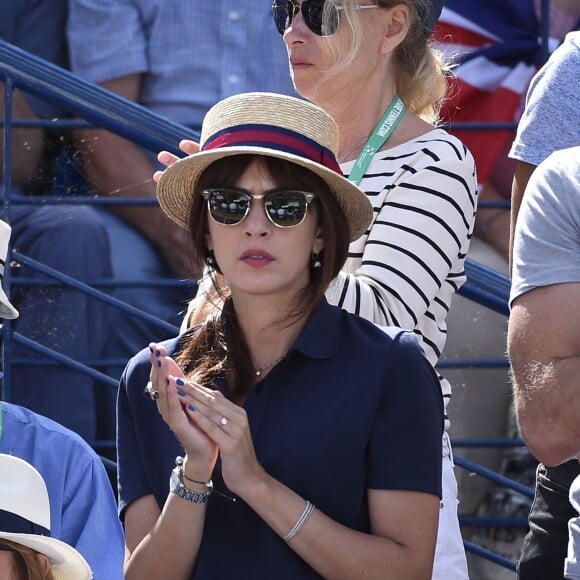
[[16, 419]]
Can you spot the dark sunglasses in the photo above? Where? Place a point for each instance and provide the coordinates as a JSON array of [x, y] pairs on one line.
[[285, 208], [321, 23]]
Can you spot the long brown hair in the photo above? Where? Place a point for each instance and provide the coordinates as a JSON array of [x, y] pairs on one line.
[[25, 563], [217, 347]]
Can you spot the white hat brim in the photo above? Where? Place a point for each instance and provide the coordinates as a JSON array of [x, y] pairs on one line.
[[67, 563]]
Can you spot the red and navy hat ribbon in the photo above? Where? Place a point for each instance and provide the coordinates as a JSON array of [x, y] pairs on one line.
[[273, 137]]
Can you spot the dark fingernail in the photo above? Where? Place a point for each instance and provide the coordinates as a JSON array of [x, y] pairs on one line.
[[181, 393], [150, 349], [180, 382], [158, 352], [191, 407], [167, 381], [158, 363]]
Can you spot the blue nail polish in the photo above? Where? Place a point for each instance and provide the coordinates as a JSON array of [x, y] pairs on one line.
[[158, 363], [150, 349], [180, 382], [167, 381], [191, 407], [181, 393], [158, 352]]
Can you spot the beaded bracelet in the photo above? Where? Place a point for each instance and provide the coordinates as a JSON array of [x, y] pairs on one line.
[[308, 511]]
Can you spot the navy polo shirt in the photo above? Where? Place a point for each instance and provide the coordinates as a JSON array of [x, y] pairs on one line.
[[351, 407]]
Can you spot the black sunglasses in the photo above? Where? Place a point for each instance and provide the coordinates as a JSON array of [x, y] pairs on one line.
[[285, 208], [321, 22]]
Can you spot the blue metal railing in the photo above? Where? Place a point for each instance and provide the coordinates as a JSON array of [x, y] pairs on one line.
[[19, 69]]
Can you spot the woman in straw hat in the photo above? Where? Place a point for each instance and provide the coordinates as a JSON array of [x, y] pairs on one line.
[[289, 412], [371, 66], [27, 552]]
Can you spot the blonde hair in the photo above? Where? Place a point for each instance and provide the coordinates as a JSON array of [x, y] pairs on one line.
[[420, 71], [25, 562]]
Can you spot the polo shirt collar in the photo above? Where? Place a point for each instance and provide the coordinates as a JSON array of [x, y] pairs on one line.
[[320, 336]]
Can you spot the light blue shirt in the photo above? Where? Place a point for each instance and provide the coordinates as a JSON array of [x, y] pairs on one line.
[[192, 54], [83, 510]]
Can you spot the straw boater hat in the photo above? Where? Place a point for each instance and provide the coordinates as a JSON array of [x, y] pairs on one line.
[[272, 125], [23, 494], [6, 309]]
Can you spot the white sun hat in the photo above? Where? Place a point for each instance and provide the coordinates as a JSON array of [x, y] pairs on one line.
[[23, 493]]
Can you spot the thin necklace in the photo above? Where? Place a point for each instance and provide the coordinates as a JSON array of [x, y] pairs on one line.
[[270, 365]]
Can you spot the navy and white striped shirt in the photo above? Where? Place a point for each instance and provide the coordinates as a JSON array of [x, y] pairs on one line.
[[405, 269]]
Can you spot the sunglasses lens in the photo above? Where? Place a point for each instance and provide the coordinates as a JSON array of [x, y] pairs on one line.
[[286, 208], [313, 13], [228, 206], [283, 11]]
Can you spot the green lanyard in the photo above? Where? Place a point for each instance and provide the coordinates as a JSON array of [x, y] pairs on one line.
[[378, 138]]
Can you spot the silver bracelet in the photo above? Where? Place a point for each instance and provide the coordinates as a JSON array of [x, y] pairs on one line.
[[308, 510]]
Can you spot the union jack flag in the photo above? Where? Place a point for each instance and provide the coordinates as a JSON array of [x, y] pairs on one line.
[[496, 45]]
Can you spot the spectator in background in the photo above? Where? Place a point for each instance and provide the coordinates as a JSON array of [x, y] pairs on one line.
[[82, 503], [70, 239], [544, 348], [550, 122], [27, 550]]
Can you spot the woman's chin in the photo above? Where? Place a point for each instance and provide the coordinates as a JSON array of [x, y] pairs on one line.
[[305, 88]]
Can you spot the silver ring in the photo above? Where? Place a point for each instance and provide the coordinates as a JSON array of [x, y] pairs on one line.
[[153, 393], [223, 421]]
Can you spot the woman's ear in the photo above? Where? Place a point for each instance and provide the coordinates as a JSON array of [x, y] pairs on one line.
[[396, 27], [44, 562], [318, 244]]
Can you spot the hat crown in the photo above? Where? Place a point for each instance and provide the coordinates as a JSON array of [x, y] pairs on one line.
[[272, 110], [23, 491]]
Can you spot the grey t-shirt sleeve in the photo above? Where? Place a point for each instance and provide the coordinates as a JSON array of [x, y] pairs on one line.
[[547, 236], [550, 120]]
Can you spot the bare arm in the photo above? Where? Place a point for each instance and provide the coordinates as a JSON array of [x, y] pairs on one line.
[[522, 175], [117, 167], [544, 348], [402, 538], [492, 224], [404, 529], [27, 143], [150, 533]]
